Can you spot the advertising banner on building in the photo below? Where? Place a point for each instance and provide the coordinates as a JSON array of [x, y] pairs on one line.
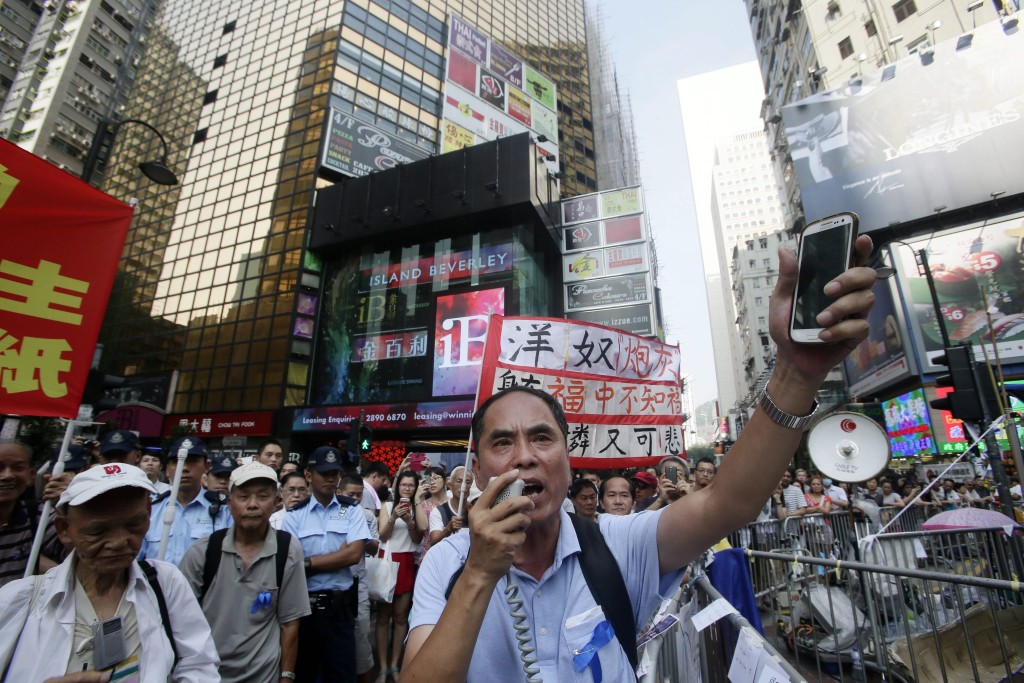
[[611, 291], [61, 243], [880, 360], [605, 260], [206, 425], [404, 325], [460, 335], [963, 263], [356, 148], [636, 319], [941, 128], [385, 415], [909, 426], [489, 92], [620, 392]]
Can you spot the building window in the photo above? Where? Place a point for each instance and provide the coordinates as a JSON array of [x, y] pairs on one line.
[[759, 301], [210, 97], [230, 26], [903, 9], [869, 28], [764, 340], [762, 242], [219, 61], [200, 136], [845, 47]]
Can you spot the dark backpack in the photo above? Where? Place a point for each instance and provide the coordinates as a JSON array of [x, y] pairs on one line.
[[213, 553], [604, 579]]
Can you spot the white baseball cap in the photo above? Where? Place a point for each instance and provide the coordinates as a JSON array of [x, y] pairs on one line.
[[101, 479], [254, 470]]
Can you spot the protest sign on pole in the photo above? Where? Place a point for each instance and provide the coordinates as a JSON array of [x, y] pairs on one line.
[[62, 240], [620, 392]]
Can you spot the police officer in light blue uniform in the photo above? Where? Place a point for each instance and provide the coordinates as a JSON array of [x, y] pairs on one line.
[[332, 534], [196, 517]]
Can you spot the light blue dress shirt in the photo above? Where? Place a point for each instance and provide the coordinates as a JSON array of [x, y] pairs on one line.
[[322, 530], [191, 523], [560, 609]]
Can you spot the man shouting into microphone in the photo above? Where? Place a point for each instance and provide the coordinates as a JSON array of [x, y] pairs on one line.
[[462, 628]]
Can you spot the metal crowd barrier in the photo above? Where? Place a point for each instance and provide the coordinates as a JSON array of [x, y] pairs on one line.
[[686, 656], [925, 607]]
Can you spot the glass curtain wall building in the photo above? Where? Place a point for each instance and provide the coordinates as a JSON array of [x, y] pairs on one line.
[[213, 270]]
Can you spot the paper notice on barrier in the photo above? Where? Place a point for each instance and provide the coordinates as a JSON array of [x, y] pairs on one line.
[[712, 613], [769, 671], [745, 660]]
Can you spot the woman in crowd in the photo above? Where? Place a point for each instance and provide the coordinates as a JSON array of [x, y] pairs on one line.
[[433, 491], [583, 495], [816, 499], [398, 528]]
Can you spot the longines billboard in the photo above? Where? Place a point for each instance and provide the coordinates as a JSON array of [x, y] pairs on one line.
[[938, 129]]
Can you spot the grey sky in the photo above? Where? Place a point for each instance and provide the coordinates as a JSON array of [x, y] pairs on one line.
[[655, 43]]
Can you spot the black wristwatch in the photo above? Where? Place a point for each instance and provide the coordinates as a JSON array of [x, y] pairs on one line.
[[307, 565]]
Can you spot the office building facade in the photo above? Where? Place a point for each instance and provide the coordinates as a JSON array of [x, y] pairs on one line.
[[216, 280], [808, 46], [70, 65]]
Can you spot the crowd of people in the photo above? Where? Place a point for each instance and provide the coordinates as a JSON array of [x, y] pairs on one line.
[[289, 561], [498, 581]]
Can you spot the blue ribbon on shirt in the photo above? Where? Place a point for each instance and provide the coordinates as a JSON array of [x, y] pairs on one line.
[[587, 655], [262, 600]]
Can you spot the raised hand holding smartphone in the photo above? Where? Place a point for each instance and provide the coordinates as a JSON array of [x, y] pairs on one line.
[[826, 251]]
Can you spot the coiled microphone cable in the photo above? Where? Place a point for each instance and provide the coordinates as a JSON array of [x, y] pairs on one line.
[[527, 652]]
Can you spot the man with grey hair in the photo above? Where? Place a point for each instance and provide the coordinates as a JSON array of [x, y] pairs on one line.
[[444, 519], [100, 611]]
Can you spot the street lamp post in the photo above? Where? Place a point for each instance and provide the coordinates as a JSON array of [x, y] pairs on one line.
[[157, 171]]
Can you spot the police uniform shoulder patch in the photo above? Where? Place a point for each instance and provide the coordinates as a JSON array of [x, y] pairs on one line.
[[346, 502], [160, 497], [300, 505]]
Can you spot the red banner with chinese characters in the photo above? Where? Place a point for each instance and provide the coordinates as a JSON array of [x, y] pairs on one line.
[[621, 393], [62, 240]]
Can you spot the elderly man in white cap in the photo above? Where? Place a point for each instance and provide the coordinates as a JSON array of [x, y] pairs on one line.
[[250, 581], [100, 615]]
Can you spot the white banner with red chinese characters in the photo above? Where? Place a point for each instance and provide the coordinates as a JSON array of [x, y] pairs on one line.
[[620, 392], [62, 240]]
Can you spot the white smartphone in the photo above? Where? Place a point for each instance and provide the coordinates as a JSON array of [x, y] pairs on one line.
[[826, 251]]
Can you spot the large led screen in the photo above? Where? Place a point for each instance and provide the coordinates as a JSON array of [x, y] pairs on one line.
[[939, 128], [908, 425], [460, 333], [975, 264]]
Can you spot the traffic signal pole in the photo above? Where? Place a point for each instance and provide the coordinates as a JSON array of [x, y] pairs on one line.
[[995, 455]]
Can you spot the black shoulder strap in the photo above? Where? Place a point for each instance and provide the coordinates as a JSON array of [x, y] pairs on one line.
[[445, 510], [212, 561], [284, 539], [154, 582], [604, 579]]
